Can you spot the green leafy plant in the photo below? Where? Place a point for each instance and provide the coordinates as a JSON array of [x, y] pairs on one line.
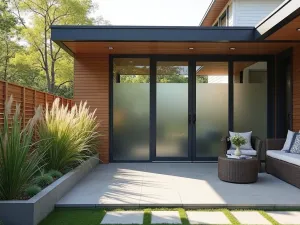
[[67, 137], [32, 190], [238, 140], [19, 161], [55, 174], [43, 180]]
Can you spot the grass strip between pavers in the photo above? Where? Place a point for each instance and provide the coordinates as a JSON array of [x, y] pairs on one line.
[[147, 217], [230, 216], [94, 216], [268, 217]]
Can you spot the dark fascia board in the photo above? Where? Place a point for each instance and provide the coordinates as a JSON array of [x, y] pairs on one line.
[[286, 12], [63, 33]]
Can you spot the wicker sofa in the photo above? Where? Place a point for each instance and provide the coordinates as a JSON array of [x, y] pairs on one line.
[[256, 144], [285, 166]]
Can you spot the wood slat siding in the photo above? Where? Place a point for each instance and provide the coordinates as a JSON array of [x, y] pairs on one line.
[[296, 89], [91, 84], [28, 99]]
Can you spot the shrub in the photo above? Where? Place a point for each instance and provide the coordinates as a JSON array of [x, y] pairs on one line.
[[67, 137], [19, 160], [43, 180], [32, 190], [55, 174]]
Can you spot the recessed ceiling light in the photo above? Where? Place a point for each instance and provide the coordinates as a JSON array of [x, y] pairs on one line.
[[110, 48], [232, 48], [191, 48], [298, 29]]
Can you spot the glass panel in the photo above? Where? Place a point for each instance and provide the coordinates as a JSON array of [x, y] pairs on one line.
[[172, 109], [131, 106], [250, 98], [211, 107]]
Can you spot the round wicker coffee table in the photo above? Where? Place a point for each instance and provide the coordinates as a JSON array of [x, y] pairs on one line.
[[240, 171]]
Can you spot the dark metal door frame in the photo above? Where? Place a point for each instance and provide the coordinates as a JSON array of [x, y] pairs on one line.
[[192, 59]]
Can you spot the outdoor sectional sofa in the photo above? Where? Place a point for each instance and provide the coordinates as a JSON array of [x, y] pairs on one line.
[[285, 166]]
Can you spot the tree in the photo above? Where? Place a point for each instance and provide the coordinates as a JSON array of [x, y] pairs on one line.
[[56, 65]]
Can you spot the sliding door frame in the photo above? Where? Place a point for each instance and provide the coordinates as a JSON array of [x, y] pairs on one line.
[[192, 59]]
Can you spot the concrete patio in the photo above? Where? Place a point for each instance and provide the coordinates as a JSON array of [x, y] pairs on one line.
[[175, 184]]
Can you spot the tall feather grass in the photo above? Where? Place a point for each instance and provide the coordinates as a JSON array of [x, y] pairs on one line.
[[67, 137], [19, 161]]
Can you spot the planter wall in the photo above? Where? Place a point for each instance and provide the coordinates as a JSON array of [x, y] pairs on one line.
[[32, 211]]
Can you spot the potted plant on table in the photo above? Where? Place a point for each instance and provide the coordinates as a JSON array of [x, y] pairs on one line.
[[238, 141]]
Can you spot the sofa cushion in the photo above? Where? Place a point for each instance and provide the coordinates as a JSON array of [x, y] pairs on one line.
[[243, 151], [247, 136], [284, 156], [295, 146], [288, 141]]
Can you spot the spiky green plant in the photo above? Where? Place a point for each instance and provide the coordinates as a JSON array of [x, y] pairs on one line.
[[43, 180], [55, 174], [19, 161], [32, 190], [67, 137]]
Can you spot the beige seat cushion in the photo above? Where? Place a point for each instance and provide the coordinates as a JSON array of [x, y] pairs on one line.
[[284, 156]]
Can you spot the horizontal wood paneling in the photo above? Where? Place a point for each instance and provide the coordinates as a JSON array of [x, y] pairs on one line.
[[91, 84], [102, 48], [216, 8], [296, 89], [288, 32]]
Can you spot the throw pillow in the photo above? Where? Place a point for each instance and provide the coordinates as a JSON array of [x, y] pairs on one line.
[[288, 141], [295, 146], [247, 136]]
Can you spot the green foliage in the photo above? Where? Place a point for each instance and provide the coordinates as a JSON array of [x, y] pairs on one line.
[[43, 180], [67, 137], [55, 174], [238, 140], [18, 159], [32, 190], [7, 19]]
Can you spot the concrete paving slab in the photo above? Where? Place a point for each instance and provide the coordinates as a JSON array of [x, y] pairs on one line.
[[202, 217], [250, 217], [286, 217], [176, 184], [165, 217], [123, 217]]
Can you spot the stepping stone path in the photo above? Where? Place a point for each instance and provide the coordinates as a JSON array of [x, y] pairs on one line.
[[250, 217], [286, 217], [165, 217], [123, 217], [202, 217]]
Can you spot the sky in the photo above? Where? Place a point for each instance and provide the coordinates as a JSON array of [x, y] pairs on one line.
[[152, 12]]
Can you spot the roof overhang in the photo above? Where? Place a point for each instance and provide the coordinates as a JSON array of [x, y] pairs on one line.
[[278, 20], [213, 11]]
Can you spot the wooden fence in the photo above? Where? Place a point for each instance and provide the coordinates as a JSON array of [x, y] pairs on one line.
[[28, 99]]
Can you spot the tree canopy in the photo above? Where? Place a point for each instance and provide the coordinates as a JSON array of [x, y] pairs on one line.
[[28, 56]]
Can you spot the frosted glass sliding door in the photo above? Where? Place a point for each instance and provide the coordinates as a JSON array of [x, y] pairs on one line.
[[131, 106], [172, 109], [250, 98], [211, 107]]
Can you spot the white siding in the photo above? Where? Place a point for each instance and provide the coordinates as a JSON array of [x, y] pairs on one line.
[[251, 12], [230, 11]]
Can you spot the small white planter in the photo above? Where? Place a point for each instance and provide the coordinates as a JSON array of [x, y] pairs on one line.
[[34, 210]]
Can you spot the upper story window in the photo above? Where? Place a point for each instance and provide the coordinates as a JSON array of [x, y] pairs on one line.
[[223, 20]]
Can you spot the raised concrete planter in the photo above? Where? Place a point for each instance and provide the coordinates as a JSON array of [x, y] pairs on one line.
[[32, 211]]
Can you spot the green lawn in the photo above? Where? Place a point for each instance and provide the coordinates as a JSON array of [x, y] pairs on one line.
[[95, 216]]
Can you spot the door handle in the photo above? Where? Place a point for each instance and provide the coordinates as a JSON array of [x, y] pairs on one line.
[[190, 118]]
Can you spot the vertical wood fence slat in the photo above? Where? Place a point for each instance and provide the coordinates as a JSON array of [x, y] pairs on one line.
[[28, 102]]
